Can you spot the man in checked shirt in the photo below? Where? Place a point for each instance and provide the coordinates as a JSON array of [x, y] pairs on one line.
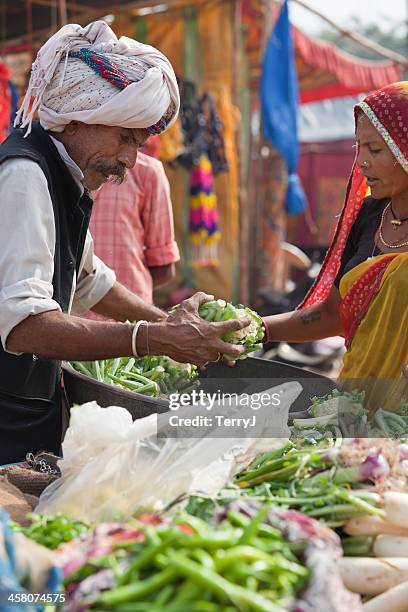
[[132, 227]]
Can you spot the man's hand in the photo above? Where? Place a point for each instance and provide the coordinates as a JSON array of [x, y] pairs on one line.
[[188, 338]]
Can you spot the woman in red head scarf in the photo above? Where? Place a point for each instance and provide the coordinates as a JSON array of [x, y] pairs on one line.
[[362, 290]]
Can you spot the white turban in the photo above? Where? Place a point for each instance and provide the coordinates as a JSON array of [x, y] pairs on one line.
[[66, 89]]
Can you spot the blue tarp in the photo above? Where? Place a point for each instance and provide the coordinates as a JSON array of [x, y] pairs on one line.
[[280, 99]]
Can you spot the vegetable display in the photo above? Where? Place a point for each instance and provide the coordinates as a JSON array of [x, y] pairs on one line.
[[310, 480], [320, 520], [149, 375], [251, 548], [343, 414], [241, 563]]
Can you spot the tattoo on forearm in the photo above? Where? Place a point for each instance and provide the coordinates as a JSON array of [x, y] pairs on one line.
[[311, 317]]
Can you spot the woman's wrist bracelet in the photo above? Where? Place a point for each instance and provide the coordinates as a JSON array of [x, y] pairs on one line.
[[265, 338]]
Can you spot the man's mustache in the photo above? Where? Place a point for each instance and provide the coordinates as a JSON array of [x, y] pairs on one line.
[[116, 172]]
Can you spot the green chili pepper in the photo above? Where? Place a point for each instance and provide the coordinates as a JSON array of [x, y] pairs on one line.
[[252, 527], [135, 591]]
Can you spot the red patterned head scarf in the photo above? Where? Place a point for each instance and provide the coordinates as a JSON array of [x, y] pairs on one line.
[[387, 110]]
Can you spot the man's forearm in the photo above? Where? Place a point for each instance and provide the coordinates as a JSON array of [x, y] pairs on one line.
[[55, 335], [184, 336], [123, 305]]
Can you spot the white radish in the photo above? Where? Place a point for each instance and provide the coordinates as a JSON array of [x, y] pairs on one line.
[[373, 525], [370, 576], [394, 600], [391, 546], [396, 508]]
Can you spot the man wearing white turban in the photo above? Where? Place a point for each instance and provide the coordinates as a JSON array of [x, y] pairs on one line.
[[98, 100]]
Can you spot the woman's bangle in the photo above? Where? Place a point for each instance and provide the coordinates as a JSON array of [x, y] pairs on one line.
[[265, 339], [134, 338]]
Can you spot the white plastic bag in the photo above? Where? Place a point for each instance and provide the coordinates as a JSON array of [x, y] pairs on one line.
[[114, 468]]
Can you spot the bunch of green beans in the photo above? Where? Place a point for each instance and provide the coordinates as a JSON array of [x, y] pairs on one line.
[[241, 564]]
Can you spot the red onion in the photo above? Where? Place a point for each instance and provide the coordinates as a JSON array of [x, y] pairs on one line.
[[375, 466]]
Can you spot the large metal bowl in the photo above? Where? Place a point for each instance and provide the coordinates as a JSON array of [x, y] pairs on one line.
[[251, 375]]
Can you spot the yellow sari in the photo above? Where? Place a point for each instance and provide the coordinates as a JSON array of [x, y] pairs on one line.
[[378, 350]]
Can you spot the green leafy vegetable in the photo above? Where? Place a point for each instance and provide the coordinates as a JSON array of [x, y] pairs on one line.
[[250, 337], [51, 531]]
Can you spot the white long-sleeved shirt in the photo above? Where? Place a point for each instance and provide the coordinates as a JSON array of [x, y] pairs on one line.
[[27, 246]]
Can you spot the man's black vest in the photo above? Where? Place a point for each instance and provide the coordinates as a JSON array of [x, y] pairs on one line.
[[27, 377]]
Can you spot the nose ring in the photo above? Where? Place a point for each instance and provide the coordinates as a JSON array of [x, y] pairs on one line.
[[364, 164]]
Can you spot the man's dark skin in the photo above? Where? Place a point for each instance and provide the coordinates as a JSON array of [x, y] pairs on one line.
[[103, 152]]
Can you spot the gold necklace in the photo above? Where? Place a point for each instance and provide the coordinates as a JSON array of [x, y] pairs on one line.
[[395, 221], [390, 246]]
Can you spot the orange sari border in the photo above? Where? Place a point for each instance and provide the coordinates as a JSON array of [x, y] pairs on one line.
[[356, 192]]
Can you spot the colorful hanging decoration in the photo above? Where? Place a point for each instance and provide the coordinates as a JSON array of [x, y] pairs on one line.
[[203, 215], [204, 156], [5, 101]]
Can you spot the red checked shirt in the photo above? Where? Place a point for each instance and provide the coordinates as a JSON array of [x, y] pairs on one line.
[[132, 225]]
